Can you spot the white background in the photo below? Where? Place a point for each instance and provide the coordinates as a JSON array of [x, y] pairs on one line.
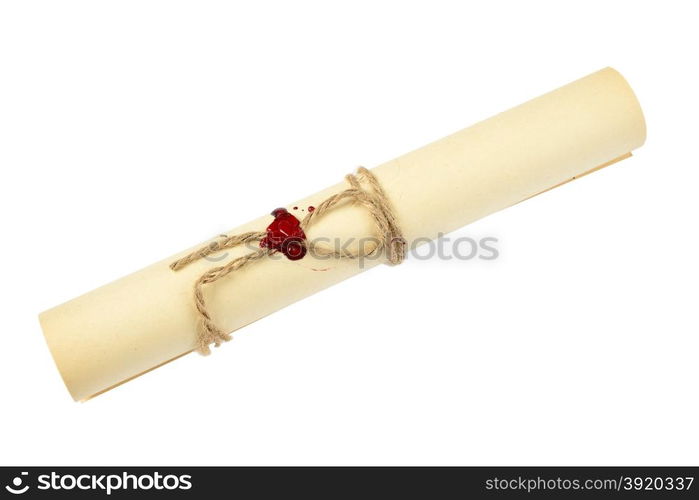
[[131, 130]]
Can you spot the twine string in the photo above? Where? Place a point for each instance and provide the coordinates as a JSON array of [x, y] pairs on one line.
[[373, 199]]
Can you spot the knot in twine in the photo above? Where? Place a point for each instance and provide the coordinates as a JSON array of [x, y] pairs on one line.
[[373, 199]]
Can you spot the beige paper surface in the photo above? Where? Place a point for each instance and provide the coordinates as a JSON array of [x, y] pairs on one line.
[[145, 319]]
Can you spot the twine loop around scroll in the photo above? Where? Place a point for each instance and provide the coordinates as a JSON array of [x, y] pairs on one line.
[[364, 190]]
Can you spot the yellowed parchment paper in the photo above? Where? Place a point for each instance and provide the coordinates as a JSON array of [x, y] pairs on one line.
[[143, 320]]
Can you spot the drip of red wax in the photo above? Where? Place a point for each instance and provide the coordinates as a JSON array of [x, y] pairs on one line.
[[311, 208], [285, 235]]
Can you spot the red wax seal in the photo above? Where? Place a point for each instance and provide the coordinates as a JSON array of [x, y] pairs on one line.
[[285, 234]]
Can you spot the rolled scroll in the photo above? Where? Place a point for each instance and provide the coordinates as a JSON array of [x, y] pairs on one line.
[[141, 321]]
